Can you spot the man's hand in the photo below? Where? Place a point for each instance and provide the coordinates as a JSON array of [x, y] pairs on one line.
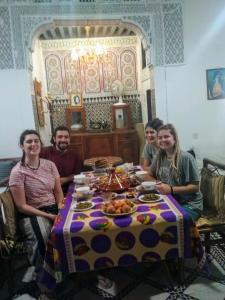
[[66, 179]]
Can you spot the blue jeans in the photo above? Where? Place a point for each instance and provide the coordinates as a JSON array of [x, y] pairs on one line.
[[193, 212]]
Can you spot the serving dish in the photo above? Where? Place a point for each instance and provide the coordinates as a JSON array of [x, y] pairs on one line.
[[114, 195], [113, 182], [119, 215], [150, 198], [80, 206], [121, 207]]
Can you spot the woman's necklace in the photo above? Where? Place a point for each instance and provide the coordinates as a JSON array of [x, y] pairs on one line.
[[33, 168], [169, 156]]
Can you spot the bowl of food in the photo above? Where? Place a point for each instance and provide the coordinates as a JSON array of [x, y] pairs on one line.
[[80, 179], [113, 182], [119, 207], [83, 193], [80, 206], [141, 174], [149, 198], [148, 185]]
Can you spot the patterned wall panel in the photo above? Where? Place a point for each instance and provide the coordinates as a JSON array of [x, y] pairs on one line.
[[128, 70], [155, 18], [58, 114], [109, 71], [174, 46], [90, 77], [54, 74], [6, 61], [72, 70], [97, 109]]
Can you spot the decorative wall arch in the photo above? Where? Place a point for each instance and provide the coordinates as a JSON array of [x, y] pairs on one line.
[[160, 21]]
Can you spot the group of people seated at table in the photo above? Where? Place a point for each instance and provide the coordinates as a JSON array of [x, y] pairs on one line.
[[38, 180]]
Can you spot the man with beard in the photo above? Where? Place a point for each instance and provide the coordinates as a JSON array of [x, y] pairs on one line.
[[66, 160]]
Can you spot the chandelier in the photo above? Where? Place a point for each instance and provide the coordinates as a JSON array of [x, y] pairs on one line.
[[91, 52]]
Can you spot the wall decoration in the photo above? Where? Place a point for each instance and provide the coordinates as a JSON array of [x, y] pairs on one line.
[[98, 109], [89, 78], [161, 23], [215, 83], [53, 74], [76, 100], [39, 103]]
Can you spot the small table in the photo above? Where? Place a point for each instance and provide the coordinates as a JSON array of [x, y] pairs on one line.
[[112, 160]]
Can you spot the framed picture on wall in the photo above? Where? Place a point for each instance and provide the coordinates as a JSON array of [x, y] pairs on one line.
[[76, 100], [215, 79]]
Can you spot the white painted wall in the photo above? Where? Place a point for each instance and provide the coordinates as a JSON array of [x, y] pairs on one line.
[[181, 94], [16, 110]]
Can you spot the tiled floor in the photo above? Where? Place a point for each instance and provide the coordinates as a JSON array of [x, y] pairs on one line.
[[142, 282]]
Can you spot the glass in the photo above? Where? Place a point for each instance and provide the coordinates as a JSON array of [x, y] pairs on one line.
[[107, 196]]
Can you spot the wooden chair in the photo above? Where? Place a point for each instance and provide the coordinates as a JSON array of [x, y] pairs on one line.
[[213, 217]]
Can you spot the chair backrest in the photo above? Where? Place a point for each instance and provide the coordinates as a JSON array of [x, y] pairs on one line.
[[212, 185], [8, 214], [192, 152]]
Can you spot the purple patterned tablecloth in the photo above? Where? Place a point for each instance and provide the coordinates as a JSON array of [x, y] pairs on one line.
[[90, 240]]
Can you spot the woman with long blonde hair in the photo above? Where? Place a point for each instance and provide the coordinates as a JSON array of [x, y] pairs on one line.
[[177, 172]]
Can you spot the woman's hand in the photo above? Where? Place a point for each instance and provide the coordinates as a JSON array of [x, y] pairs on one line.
[[51, 217], [163, 188]]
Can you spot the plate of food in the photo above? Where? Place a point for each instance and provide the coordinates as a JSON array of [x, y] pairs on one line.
[[114, 195], [83, 205], [120, 207], [132, 194], [148, 198]]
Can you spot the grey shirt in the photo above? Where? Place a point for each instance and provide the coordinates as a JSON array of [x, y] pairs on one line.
[[149, 152], [188, 173]]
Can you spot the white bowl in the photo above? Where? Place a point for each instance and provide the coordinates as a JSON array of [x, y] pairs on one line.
[[79, 179], [84, 193], [141, 174], [83, 189], [76, 126], [148, 185]]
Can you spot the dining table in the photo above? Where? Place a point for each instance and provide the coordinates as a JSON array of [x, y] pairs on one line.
[[83, 241]]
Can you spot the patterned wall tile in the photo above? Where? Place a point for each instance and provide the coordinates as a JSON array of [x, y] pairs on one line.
[[173, 22], [152, 16], [6, 61], [97, 109]]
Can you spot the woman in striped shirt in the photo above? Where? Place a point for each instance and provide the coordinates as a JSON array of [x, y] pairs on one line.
[[35, 185]]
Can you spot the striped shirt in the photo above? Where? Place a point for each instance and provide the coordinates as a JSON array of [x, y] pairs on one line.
[[38, 184]]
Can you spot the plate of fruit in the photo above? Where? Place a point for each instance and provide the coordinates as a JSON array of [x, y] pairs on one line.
[[121, 207]]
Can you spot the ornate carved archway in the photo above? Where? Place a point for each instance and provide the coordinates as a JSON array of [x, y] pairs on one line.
[[160, 23]]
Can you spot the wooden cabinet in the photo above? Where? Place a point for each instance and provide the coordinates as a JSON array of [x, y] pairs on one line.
[[116, 143], [128, 146]]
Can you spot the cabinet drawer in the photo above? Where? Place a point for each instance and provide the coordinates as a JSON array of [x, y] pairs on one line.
[[122, 137]]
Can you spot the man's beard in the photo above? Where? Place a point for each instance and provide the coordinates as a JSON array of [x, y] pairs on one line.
[[62, 146]]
